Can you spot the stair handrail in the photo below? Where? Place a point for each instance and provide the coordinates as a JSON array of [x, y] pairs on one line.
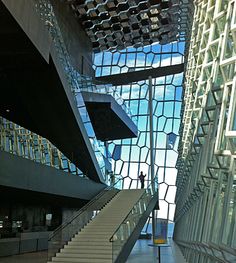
[[79, 212], [84, 208], [62, 234], [153, 186]]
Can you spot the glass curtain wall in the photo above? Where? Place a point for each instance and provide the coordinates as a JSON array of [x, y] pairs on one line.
[[131, 156], [206, 182]]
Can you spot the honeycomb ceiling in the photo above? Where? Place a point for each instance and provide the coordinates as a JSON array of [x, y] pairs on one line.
[[116, 24]]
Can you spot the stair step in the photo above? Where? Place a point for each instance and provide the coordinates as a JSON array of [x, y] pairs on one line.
[[84, 255], [99, 226], [96, 230], [92, 234], [91, 238], [98, 249], [103, 222], [94, 224], [108, 221], [83, 245], [88, 243], [80, 260], [91, 244]]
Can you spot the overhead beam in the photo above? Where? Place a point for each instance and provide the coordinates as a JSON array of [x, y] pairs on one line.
[[129, 77], [22, 174]]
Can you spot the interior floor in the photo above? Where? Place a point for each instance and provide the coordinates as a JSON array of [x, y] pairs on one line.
[[142, 252]]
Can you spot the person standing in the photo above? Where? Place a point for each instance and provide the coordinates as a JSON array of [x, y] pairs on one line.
[[112, 179], [141, 178]]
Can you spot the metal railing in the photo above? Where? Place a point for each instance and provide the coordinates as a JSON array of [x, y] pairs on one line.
[[125, 229], [211, 251], [70, 228]]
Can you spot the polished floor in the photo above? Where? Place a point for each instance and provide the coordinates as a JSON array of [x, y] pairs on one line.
[[141, 253]]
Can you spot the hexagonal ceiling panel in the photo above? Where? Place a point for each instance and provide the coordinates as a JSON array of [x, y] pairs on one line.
[[116, 24]]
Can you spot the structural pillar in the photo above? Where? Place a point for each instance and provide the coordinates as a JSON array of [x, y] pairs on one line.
[[150, 106]]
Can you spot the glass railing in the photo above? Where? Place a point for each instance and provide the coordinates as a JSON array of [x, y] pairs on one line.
[[125, 229], [115, 180], [46, 13], [19, 141], [70, 228], [87, 84]]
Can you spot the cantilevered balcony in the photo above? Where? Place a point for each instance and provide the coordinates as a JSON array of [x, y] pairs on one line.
[[110, 116]]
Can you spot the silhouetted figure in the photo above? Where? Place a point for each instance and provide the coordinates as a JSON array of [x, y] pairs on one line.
[[141, 178], [112, 179]]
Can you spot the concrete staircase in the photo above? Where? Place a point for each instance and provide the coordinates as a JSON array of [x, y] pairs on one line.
[[92, 243]]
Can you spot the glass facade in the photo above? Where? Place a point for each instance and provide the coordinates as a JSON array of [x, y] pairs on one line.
[[193, 113], [167, 103], [205, 201]]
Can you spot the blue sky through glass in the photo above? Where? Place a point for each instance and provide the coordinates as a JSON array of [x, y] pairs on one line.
[[167, 103]]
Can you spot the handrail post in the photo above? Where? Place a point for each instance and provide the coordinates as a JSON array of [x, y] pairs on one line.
[[139, 205], [150, 104]]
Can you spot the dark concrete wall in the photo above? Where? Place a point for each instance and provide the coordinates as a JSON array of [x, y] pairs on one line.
[[25, 242], [21, 173], [31, 24], [77, 42], [68, 213], [38, 94], [9, 246]]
